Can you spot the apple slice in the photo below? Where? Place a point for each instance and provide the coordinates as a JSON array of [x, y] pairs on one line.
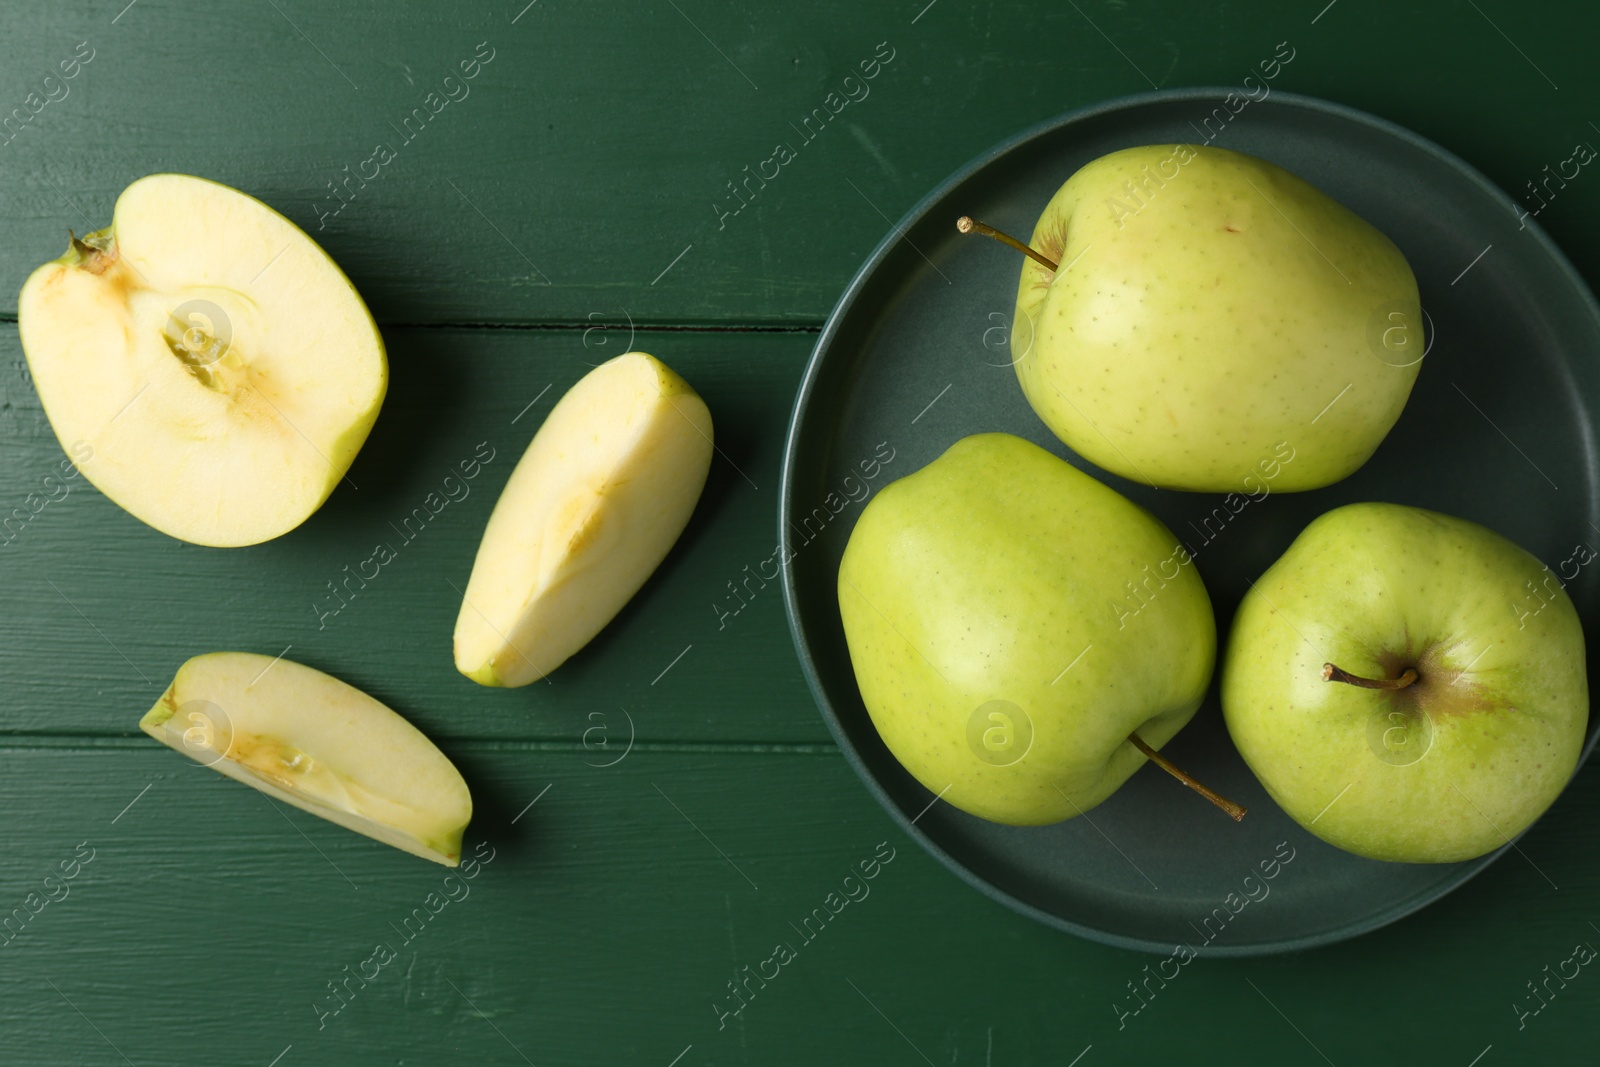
[[593, 507], [215, 365], [310, 740]]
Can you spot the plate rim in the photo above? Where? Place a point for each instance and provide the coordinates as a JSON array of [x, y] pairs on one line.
[[806, 391]]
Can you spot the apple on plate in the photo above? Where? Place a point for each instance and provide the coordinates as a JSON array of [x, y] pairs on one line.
[[308, 739], [217, 366], [1391, 688], [1024, 637], [593, 507], [1182, 311]]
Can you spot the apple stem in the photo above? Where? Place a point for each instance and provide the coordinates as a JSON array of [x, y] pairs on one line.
[[91, 258], [1330, 673], [1165, 764], [968, 224]]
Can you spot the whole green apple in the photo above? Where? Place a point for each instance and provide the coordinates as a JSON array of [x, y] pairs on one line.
[[1014, 625], [1397, 690], [1209, 305]]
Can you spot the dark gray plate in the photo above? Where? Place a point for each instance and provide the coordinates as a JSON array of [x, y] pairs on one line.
[[1499, 430]]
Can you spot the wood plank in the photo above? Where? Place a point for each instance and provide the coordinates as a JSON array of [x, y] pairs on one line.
[[597, 147], [616, 909], [125, 605]]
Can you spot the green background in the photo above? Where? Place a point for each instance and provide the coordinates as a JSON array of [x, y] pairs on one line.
[[504, 249]]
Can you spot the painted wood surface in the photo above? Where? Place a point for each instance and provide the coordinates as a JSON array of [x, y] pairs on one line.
[[599, 142], [615, 911], [576, 182], [136, 604]]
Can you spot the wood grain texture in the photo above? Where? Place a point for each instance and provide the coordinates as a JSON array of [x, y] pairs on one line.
[[616, 909], [126, 605], [599, 142], [581, 181]]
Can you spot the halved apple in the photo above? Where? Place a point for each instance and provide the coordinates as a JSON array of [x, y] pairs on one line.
[[310, 740], [221, 367], [592, 509]]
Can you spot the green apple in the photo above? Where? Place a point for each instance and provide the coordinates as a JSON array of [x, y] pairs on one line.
[[310, 740], [1196, 307], [217, 366], [1398, 689], [591, 510], [1022, 634]]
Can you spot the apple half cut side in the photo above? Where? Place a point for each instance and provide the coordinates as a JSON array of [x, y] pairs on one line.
[[308, 739], [204, 362], [591, 510]]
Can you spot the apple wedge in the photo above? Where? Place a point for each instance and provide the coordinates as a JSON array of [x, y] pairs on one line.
[[310, 740], [217, 366], [592, 509]]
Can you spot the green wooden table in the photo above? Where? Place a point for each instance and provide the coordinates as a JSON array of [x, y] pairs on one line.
[[582, 192]]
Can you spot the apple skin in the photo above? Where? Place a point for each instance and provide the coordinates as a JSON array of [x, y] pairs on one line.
[[1208, 320], [999, 572], [1375, 588]]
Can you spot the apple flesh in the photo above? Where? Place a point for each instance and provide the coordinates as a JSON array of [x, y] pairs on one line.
[[591, 510], [1448, 765], [1208, 307], [1012, 622], [312, 741], [220, 367]]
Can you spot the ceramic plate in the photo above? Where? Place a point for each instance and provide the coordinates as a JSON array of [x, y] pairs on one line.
[[1499, 429]]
